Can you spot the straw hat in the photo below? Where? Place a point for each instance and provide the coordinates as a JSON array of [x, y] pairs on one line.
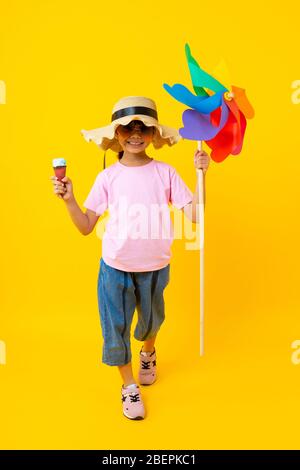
[[126, 110]]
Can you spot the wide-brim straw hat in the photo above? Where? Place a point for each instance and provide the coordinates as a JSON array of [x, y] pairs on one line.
[[126, 110]]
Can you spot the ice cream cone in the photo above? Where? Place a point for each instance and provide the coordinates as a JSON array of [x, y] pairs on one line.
[[59, 166]]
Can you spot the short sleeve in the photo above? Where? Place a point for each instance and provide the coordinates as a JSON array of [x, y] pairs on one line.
[[97, 199], [180, 194]]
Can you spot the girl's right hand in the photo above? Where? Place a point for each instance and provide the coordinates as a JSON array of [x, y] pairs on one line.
[[63, 191]]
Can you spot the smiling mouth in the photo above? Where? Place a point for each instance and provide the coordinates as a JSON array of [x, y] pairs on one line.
[[135, 144]]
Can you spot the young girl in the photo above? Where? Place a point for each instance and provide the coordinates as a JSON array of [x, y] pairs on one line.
[[135, 264]]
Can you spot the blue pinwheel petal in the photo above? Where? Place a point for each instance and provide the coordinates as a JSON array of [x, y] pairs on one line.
[[202, 104], [198, 126]]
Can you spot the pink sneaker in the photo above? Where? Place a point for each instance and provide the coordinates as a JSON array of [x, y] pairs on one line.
[[147, 372], [133, 407]]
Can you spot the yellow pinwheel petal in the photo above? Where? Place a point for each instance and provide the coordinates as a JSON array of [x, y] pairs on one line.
[[222, 72]]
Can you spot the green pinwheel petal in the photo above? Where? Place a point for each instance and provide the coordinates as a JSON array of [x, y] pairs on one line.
[[201, 79], [199, 90]]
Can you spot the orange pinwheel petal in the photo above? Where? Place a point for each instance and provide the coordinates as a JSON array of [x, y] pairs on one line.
[[243, 102]]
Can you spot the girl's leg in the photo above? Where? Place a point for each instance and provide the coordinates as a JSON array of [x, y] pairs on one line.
[[127, 374], [149, 290], [148, 345], [116, 298], [151, 314]]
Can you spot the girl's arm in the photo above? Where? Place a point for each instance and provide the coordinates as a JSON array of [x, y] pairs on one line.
[[85, 222], [201, 161]]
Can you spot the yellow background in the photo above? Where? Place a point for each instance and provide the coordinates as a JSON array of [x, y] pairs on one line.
[[65, 64]]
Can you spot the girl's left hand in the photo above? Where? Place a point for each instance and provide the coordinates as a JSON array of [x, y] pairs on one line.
[[201, 160]]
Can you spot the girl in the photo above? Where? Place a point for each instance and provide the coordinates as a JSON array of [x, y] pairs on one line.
[[135, 264]]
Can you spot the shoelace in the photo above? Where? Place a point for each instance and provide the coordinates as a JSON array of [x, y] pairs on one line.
[[134, 397], [146, 364]]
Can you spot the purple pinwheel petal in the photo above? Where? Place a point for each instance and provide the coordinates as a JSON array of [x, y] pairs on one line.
[[198, 126]]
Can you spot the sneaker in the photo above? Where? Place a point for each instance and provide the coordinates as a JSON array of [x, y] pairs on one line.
[[147, 372], [133, 407]]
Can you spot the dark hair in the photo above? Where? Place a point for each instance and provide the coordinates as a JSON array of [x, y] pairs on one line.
[[120, 154]]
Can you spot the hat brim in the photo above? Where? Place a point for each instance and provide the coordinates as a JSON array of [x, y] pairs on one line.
[[105, 138]]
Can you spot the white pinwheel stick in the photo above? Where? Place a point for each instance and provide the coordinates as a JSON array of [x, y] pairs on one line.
[[200, 177]]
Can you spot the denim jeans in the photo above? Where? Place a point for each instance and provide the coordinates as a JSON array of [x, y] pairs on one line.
[[119, 294]]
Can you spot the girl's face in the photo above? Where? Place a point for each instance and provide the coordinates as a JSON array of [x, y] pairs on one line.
[[135, 136]]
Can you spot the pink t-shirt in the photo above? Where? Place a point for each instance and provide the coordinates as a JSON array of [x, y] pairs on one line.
[[139, 232]]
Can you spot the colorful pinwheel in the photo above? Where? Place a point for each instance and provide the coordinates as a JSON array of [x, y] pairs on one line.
[[217, 115]]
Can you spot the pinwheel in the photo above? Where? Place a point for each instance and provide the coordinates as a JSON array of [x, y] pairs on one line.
[[217, 116]]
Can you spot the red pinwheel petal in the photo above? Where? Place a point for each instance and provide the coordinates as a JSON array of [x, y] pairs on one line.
[[238, 148], [227, 140], [215, 117], [232, 105]]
